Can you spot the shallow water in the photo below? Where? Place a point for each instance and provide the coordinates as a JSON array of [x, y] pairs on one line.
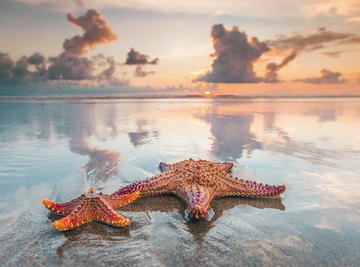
[[57, 149]]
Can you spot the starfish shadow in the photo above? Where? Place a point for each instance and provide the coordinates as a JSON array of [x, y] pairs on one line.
[[166, 203], [199, 228], [93, 231]]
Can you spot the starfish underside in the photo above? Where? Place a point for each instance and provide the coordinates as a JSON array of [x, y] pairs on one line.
[[197, 182], [90, 207]]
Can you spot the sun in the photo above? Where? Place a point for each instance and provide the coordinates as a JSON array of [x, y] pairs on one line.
[[207, 93]]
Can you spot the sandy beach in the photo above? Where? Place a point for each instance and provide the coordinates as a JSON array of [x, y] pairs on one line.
[[59, 148]]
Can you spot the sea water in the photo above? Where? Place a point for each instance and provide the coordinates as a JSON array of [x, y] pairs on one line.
[[59, 148]]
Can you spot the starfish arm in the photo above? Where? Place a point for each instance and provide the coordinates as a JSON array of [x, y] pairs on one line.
[[105, 214], [159, 184], [116, 201], [81, 215], [63, 208], [226, 166], [164, 166], [197, 198], [232, 186]]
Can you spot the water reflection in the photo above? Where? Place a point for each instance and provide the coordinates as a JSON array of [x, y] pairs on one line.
[[312, 146], [142, 136], [304, 130], [317, 132], [102, 164], [235, 129], [324, 115], [232, 134]]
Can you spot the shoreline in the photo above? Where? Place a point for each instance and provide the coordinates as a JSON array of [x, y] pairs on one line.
[[215, 97]]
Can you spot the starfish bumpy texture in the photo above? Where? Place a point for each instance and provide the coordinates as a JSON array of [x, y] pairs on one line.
[[90, 207], [197, 182]]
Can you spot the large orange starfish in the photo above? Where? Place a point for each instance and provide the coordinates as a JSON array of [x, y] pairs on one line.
[[197, 182], [90, 207]]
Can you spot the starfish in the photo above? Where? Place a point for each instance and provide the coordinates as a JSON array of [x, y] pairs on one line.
[[197, 182], [89, 207]]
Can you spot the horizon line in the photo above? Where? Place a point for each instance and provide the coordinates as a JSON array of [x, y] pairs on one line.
[[188, 96]]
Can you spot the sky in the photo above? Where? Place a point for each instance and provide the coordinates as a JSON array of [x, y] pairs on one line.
[[257, 47]]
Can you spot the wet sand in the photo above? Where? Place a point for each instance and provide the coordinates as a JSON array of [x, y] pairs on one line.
[[57, 149]]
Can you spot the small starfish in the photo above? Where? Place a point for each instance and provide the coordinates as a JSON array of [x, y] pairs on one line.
[[197, 182], [89, 207]]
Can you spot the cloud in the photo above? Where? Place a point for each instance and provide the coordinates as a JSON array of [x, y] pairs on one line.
[[140, 72], [6, 67], [108, 73], [71, 68], [96, 31], [36, 59], [273, 68], [327, 77], [234, 56], [41, 73], [296, 10], [69, 65], [333, 54], [310, 42], [353, 19], [299, 43], [136, 58], [354, 39], [11, 72], [20, 71]]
